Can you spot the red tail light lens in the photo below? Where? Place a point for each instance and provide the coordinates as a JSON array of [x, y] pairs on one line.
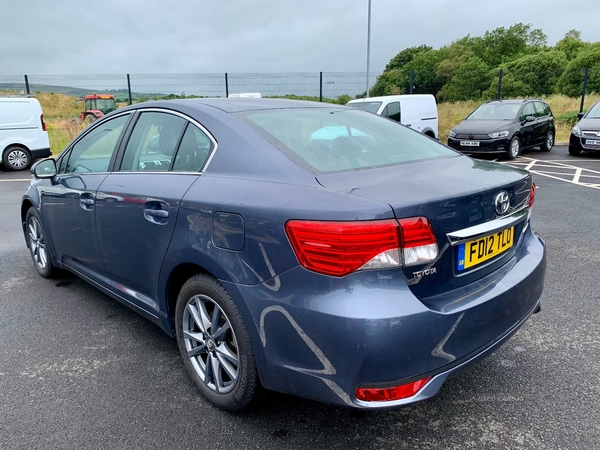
[[43, 123], [340, 248], [532, 194], [391, 393]]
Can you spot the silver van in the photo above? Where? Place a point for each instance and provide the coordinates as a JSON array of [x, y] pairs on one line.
[[416, 111], [23, 135]]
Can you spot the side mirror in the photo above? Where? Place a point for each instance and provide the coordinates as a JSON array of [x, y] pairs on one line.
[[529, 119], [46, 168], [580, 115]]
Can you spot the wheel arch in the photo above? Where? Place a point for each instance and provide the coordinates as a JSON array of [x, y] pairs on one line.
[[15, 144], [178, 276], [27, 203]]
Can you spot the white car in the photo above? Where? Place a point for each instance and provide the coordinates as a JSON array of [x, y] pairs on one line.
[[23, 135], [416, 111]]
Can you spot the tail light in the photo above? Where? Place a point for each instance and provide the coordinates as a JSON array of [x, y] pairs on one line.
[[532, 194], [43, 123], [340, 248]]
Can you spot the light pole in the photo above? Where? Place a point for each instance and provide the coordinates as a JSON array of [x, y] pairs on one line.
[[368, 47]]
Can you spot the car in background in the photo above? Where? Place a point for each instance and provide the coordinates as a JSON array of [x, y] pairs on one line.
[[505, 127], [23, 135], [585, 136], [416, 111], [303, 247]]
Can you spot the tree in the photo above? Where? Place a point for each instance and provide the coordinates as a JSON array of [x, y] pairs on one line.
[[470, 81], [404, 57], [392, 82], [503, 44], [571, 44], [570, 82], [539, 72]]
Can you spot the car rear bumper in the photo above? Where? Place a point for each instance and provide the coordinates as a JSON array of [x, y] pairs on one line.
[[322, 337], [485, 146]]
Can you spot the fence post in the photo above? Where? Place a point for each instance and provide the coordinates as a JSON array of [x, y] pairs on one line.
[[27, 85], [226, 86], [412, 81], [585, 78], [500, 74], [320, 86], [129, 90]]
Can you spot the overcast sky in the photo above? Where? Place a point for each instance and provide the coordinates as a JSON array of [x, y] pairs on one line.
[[189, 36]]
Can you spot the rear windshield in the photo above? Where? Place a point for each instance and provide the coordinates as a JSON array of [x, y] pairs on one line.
[[365, 106], [332, 140]]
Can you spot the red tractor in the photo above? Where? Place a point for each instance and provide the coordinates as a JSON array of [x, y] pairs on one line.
[[96, 105]]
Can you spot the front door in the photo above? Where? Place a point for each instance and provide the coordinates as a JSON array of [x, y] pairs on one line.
[[69, 204]]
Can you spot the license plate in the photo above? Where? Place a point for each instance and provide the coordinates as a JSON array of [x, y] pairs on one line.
[[472, 253], [469, 143], [591, 142]]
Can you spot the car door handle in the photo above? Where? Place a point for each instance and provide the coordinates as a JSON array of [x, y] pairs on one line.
[[157, 213], [87, 201]]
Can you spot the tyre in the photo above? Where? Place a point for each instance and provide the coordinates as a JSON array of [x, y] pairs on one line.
[[215, 344], [38, 247], [548, 142], [514, 149], [574, 151], [16, 158]]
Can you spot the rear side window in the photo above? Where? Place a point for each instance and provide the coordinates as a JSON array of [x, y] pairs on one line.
[[540, 111], [193, 150], [330, 140], [153, 142]]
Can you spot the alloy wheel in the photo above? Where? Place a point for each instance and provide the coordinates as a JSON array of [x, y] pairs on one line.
[[211, 344], [37, 243]]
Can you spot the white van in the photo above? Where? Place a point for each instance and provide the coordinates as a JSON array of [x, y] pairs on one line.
[[23, 135], [417, 111]]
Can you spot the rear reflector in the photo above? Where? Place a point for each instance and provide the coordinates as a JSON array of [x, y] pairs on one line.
[[390, 394], [532, 194], [340, 248]]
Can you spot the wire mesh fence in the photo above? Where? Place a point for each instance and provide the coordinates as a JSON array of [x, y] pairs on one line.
[[141, 87], [452, 85]]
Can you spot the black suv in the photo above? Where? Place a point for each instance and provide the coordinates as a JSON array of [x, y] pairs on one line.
[[505, 126]]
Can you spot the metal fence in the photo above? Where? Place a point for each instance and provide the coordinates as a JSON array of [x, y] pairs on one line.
[[139, 87], [482, 85]]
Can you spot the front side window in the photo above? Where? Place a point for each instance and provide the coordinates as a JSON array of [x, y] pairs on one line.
[[330, 140], [153, 142], [93, 152], [393, 111], [528, 110]]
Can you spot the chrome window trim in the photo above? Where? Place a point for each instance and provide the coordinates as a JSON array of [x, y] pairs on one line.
[[483, 229], [189, 119]]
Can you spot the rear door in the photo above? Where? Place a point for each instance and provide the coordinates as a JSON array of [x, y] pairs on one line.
[[138, 205], [543, 122]]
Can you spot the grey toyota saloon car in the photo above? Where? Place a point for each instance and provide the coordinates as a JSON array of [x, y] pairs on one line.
[[301, 247]]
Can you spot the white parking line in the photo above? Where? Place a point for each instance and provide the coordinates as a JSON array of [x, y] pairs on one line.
[[563, 172], [7, 181]]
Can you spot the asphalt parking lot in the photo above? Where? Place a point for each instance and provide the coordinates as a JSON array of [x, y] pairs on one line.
[[79, 370]]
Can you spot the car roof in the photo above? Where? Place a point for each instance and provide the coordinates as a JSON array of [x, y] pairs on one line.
[[515, 100], [233, 105]]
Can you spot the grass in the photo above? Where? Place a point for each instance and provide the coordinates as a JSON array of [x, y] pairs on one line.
[[62, 116]]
